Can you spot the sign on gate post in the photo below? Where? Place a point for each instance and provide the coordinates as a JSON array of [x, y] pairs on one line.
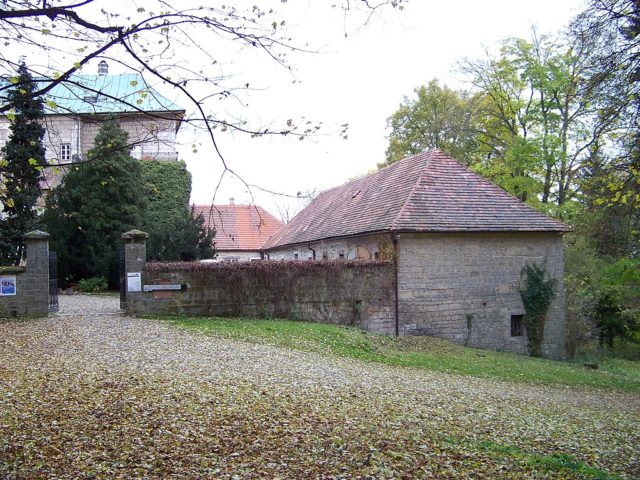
[[134, 282], [8, 285]]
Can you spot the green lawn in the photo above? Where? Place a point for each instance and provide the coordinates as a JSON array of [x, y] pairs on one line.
[[418, 352]]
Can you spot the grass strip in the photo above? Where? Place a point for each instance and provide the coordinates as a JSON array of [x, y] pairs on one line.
[[417, 352]]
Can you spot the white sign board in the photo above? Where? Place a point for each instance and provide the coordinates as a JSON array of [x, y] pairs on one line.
[[7, 285], [153, 288], [134, 282]]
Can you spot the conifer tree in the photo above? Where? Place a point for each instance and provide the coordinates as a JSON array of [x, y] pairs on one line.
[[21, 161], [96, 202]]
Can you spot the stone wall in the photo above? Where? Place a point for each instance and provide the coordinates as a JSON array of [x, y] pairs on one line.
[[378, 246], [32, 281], [464, 287], [345, 293], [152, 137], [238, 255], [461, 287]]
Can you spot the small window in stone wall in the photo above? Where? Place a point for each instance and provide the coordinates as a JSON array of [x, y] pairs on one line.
[[341, 255], [325, 255], [517, 325], [295, 256]]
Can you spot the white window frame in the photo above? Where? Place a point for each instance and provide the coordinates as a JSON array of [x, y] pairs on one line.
[[65, 152]]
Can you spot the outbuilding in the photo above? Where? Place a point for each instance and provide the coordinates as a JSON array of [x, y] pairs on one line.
[[458, 243]]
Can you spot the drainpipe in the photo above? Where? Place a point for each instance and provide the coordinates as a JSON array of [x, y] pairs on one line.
[[77, 125], [395, 268], [314, 252]]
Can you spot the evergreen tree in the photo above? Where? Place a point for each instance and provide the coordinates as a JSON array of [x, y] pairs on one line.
[[187, 239], [96, 202], [21, 161]]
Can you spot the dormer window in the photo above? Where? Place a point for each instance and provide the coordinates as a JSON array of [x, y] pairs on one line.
[[103, 68]]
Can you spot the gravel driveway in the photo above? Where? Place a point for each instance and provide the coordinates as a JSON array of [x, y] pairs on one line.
[[90, 392], [89, 305]]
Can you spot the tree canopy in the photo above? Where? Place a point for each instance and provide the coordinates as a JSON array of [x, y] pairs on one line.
[[438, 118]]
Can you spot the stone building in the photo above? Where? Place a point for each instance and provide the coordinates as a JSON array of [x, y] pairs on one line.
[[241, 230], [457, 241], [76, 109]]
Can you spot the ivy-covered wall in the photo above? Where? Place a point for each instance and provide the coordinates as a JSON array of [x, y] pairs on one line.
[[174, 234], [166, 187], [340, 292]]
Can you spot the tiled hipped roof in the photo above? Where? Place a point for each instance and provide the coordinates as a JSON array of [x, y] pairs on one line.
[[239, 227], [428, 192]]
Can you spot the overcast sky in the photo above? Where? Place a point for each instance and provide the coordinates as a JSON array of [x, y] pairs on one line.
[[359, 80]]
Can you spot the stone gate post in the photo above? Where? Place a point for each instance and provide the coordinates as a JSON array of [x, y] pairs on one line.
[[35, 294], [135, 258]]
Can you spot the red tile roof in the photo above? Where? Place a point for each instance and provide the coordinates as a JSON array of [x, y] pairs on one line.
[[239, 227], [428, 192]]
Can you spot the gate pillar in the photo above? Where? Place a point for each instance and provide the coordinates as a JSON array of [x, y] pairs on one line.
[[132, 261]]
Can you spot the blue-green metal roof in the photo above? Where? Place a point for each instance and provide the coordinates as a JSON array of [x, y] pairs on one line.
[[106, 94]]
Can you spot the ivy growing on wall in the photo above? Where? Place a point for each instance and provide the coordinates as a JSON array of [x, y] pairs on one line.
[[174, 232], [537, 292]]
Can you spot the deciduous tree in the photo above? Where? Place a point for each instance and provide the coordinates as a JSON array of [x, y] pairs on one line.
[[540, 121], [438, 118]]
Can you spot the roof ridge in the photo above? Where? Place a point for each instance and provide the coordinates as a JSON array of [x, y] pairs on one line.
[[413, 189]]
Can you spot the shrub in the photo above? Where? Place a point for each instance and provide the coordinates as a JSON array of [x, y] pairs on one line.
[[93, 285]]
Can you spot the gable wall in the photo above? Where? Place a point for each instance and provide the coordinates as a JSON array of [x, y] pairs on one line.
[[444, 279]]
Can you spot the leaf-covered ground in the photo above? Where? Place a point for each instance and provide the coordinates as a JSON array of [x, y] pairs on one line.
[[106, 396]]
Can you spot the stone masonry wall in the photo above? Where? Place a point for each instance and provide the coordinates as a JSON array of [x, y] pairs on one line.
[[375, 243], [464, 287], [155, 137], [238, 255], [346, 293], [32, 281], [152, 137]]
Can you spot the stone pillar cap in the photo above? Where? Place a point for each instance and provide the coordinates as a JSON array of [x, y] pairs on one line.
[[134, 235], [36, 235]]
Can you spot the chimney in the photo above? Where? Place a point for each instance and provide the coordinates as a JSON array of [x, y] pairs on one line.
[[231, 201], [103, 68]]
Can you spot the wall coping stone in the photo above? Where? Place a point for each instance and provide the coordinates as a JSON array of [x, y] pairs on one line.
[[12, 269], [36, 235], [135, 235]]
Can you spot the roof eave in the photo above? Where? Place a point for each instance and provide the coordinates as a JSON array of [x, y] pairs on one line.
[[415, 230], [335, 237]]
